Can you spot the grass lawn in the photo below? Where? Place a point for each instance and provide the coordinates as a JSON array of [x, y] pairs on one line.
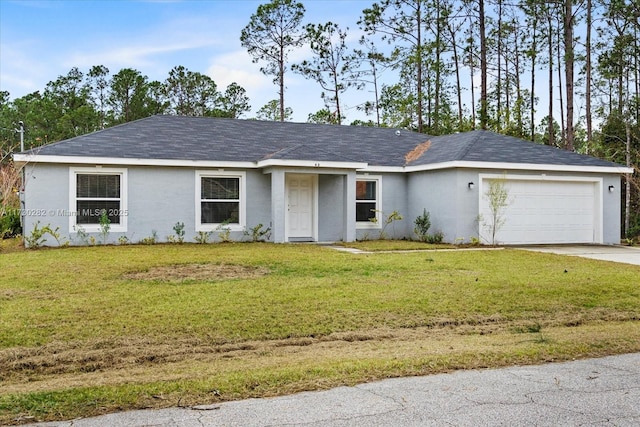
[[86, 331]]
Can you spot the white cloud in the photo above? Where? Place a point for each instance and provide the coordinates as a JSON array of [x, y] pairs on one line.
[[132, 56], [237, 67], [20, 73]]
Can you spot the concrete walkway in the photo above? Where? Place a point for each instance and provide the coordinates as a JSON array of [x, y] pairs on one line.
[[593, 392], [622, 254], [614, 253]]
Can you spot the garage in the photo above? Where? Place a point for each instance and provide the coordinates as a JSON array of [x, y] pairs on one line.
[[544, 210]]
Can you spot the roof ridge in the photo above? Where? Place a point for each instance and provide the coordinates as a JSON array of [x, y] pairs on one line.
[[286, 149], [475, 135]]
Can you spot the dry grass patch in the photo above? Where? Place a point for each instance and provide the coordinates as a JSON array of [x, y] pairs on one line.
[[197, 272]]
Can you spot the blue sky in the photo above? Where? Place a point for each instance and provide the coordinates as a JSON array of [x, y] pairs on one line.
[[41, 40]]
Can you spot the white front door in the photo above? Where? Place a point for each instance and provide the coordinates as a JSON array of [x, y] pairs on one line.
[[300, 207]]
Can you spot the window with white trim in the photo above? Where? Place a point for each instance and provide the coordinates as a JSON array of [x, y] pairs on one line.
[[220, 200], [95, 192], [368, 201]]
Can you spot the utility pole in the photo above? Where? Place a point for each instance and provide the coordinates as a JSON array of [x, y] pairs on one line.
[[21, 132], [21, 194]]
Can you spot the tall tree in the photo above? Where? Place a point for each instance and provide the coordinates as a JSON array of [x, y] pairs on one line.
[[8, 144], [71, 96], [271, 111], [233, 103], [324, 116], [588, 112], [484, 102], [398, 107], [454, 27], [618, 66], [273, 31], [370, 61], [532, 11], [330, 65], [99, 89], [191, 93], [569, 58], [128, 97], [400, 22]]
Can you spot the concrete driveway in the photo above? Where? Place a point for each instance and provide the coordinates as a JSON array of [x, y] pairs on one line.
[[622, 254]]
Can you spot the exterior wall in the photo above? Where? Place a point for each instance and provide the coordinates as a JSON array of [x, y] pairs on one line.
[[393, 198], [454, 208], [444, 195], [331, 208], [46, 199], [258, 202], [612, 210], [157, 198]]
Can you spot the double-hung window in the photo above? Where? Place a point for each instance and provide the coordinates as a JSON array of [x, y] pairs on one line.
[[220, 200], [368, 201], [94, 193]]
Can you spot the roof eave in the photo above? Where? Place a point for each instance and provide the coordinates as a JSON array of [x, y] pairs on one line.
[[22, 159], [499, 166], [310, 164]]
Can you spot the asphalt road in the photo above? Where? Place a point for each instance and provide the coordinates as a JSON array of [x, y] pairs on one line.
[[593, 392]]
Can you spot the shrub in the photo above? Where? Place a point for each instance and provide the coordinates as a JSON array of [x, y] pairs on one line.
[[224, 232], [434, 238], [10, 223], [423, 223], [37, 237], [387, 220], [203, 237], [151, 240], [105, 226], [258, 233], [178, 237]]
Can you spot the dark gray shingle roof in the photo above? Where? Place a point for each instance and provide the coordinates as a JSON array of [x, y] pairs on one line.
[[486, 146], [215, 139]]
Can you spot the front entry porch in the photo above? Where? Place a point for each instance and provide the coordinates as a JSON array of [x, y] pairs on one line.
[[312, 205]]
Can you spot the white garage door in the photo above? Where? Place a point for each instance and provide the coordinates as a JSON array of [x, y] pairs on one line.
[[544, 211]]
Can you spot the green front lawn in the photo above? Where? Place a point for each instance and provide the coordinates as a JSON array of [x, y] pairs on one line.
[[99, 329]]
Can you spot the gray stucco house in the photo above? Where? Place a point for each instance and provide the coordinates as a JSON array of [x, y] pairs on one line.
[[316, 183]]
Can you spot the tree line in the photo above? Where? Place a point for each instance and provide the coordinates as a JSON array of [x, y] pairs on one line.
[[582, 56]]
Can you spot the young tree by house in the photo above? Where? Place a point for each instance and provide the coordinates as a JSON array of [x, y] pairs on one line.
[[273, 31], [497, 197]]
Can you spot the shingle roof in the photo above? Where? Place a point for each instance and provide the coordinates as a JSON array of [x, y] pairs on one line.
[[486, 146], [216, 139]]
